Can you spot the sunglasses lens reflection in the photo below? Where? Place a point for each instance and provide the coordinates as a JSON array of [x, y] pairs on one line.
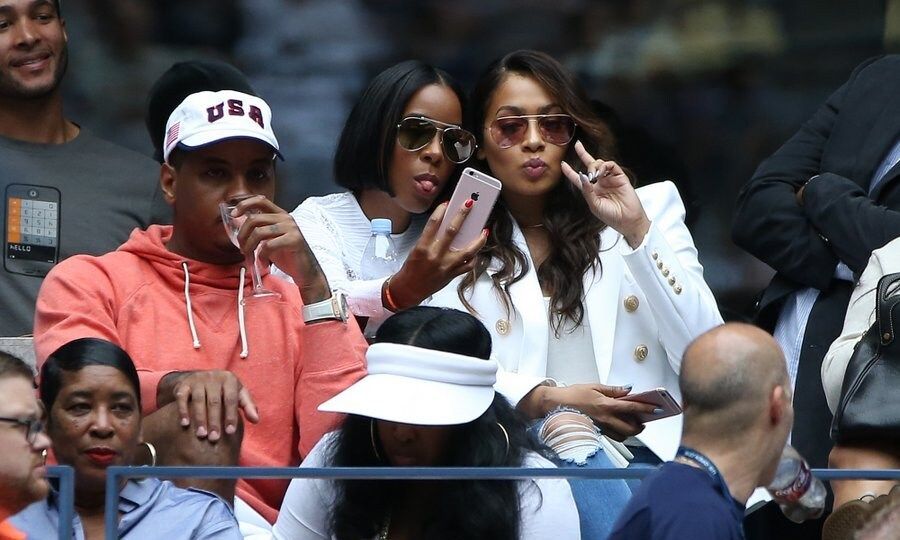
[[458, 145], [415, 133]]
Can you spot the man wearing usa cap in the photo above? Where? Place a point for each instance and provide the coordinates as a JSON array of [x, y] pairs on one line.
[[178, 299]]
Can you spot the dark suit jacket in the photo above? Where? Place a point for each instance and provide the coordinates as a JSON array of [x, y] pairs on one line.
[[843, 143]]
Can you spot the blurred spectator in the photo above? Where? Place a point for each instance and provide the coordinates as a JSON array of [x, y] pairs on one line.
[[67, 192], [309, 59], [737, 417], [23, 445], [872, 518], [884, 521], [814, 211], [879, 450]]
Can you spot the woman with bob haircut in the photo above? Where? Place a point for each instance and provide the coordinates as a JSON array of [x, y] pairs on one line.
[[590, 288], [90, 390], [428, 400], [399, 153]]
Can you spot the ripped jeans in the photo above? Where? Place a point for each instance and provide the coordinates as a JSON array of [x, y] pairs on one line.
[[576, 441]]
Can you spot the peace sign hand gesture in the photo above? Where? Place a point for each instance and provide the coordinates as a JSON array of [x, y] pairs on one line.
[[610, 196]]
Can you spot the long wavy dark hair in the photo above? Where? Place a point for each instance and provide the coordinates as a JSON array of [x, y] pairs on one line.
[[574, 231], [487, 509]]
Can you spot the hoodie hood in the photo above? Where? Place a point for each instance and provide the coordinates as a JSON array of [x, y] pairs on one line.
[[150, 245]]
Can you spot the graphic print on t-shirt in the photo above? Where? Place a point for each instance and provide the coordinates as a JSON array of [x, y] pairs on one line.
[[32, 229]]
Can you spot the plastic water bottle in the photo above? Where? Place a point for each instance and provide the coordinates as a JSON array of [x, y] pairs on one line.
[[380, 258], [800, 495]]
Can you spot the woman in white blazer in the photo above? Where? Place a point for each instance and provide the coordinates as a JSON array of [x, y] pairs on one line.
[[584, 281], [860, 316]]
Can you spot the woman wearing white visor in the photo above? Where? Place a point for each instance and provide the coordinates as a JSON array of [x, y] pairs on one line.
[[428, 400]]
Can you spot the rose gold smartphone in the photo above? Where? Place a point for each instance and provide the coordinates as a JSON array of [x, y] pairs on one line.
[[659, 397], [481, 188]]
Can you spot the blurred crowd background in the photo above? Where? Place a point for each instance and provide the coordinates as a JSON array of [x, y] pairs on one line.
[[697, 91]]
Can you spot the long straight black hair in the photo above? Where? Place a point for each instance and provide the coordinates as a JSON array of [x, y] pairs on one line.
[[487, 509], [362, 159]]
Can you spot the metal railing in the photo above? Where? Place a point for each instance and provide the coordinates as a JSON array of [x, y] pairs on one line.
[[66, 476], [115, 475]]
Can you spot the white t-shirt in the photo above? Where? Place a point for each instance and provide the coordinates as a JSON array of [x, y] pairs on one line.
[[337, 231], [570, 356], [548, 509]]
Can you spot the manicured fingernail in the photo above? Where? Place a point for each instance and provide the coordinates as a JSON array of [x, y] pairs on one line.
[[487, 233], [469, 203], [201, 431], [230, 429], [185, 422], [657, 411]]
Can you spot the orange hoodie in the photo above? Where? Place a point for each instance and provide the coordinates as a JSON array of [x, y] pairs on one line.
[[174, 314]]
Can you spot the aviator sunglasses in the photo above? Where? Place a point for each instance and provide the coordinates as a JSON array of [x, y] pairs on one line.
[[508, 131], [416, 132]]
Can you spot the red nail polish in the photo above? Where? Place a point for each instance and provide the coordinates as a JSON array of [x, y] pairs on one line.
[[487, 233], [469, 203]]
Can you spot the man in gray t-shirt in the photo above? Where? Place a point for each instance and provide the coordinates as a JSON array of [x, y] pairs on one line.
[[64, 190]]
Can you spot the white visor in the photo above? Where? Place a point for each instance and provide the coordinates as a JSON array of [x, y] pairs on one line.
[[412, 385]]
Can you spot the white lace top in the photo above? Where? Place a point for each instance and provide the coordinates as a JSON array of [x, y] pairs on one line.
[[337, 231]]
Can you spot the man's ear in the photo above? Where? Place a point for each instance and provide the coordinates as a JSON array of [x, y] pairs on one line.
[[167, 182], [779, 400]]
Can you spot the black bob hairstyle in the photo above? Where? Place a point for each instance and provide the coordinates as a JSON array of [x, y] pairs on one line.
[[467, 509], [78, 354], [362, 159]]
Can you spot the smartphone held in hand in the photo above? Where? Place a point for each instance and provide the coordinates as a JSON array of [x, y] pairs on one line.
[[483, 189], [659, 397]]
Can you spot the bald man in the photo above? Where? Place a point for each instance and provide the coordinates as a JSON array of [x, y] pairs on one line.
[[737, 417]]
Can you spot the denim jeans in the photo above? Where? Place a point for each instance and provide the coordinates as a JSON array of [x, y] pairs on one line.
[[599, 502]]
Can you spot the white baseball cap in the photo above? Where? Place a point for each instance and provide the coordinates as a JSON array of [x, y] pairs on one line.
[[412, 385], [209, 117]]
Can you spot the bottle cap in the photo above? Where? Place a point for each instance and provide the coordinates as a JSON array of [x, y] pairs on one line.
[[381, 226]]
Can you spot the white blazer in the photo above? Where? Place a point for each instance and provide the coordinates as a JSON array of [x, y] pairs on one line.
[[860, 316], [644, 306]]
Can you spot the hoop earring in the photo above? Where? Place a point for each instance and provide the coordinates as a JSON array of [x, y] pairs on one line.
[[372, 437], [505, 436], [152, 450]]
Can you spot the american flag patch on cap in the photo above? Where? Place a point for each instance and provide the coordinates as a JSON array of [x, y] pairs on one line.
[[172, 134]]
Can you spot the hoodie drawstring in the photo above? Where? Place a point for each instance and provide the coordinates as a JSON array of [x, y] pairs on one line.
[[245, 350], [187, 301]]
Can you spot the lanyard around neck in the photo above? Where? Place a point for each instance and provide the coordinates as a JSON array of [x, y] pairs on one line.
[[706, 464]]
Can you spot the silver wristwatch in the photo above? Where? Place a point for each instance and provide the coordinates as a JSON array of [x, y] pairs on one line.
[[330, 308]]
